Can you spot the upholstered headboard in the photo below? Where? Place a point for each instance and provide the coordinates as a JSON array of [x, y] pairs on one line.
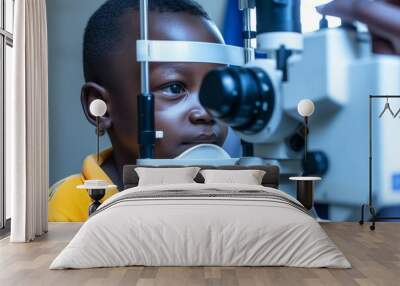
[[270, 179]]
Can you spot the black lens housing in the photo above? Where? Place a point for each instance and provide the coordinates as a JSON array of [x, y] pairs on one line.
[[278, 16], [243, 98]]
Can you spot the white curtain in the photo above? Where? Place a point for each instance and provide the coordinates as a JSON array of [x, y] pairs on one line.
[[27, 123]]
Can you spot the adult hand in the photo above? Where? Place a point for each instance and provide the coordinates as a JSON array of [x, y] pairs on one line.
[[381, 17], [345, 9]]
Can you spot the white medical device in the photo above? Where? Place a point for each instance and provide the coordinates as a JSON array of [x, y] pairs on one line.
[[258, 98]]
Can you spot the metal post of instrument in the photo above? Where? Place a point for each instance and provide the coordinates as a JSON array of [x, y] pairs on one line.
[[144, 66], [248, 34], [145, 100]]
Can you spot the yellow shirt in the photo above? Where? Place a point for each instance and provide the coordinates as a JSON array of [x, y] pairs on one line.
[[68, 203]]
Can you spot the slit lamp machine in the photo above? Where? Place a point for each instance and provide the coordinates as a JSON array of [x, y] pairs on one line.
[[259, 99]]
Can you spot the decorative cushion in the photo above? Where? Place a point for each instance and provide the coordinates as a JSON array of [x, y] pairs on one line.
[[162, 176], [248, 177]]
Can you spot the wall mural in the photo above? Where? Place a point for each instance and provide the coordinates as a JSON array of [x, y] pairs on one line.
[[301, 104]]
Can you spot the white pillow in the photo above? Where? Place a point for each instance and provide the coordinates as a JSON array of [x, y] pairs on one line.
[[166, 176], [248, 177]]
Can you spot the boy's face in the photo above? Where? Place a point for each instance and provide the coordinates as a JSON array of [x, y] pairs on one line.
[[175, 86]]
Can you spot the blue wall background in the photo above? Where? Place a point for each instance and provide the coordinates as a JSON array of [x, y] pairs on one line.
[[71, 136]]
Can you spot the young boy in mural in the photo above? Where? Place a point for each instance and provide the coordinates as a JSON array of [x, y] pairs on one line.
[[113, 75]]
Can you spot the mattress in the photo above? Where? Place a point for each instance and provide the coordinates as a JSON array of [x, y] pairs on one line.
[[201, 225]]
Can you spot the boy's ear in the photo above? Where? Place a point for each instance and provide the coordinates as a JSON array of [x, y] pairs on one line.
[[91, 91]]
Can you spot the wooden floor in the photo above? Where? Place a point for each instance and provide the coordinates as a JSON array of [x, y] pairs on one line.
[[375, 257]]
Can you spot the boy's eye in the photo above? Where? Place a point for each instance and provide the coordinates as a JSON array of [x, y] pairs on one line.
[[175, 89]]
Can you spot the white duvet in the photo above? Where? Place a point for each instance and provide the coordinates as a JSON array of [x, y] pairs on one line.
[[224, 225]]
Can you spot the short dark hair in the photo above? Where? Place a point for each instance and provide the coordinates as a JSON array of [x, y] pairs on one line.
[[103, 30]]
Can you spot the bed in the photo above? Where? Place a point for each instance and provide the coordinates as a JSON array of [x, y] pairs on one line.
[[197, 224]]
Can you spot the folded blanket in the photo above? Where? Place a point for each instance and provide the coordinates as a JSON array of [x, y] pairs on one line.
[[185, 191]]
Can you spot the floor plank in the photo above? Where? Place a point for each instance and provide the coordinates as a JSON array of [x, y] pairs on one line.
[[374, 255]]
